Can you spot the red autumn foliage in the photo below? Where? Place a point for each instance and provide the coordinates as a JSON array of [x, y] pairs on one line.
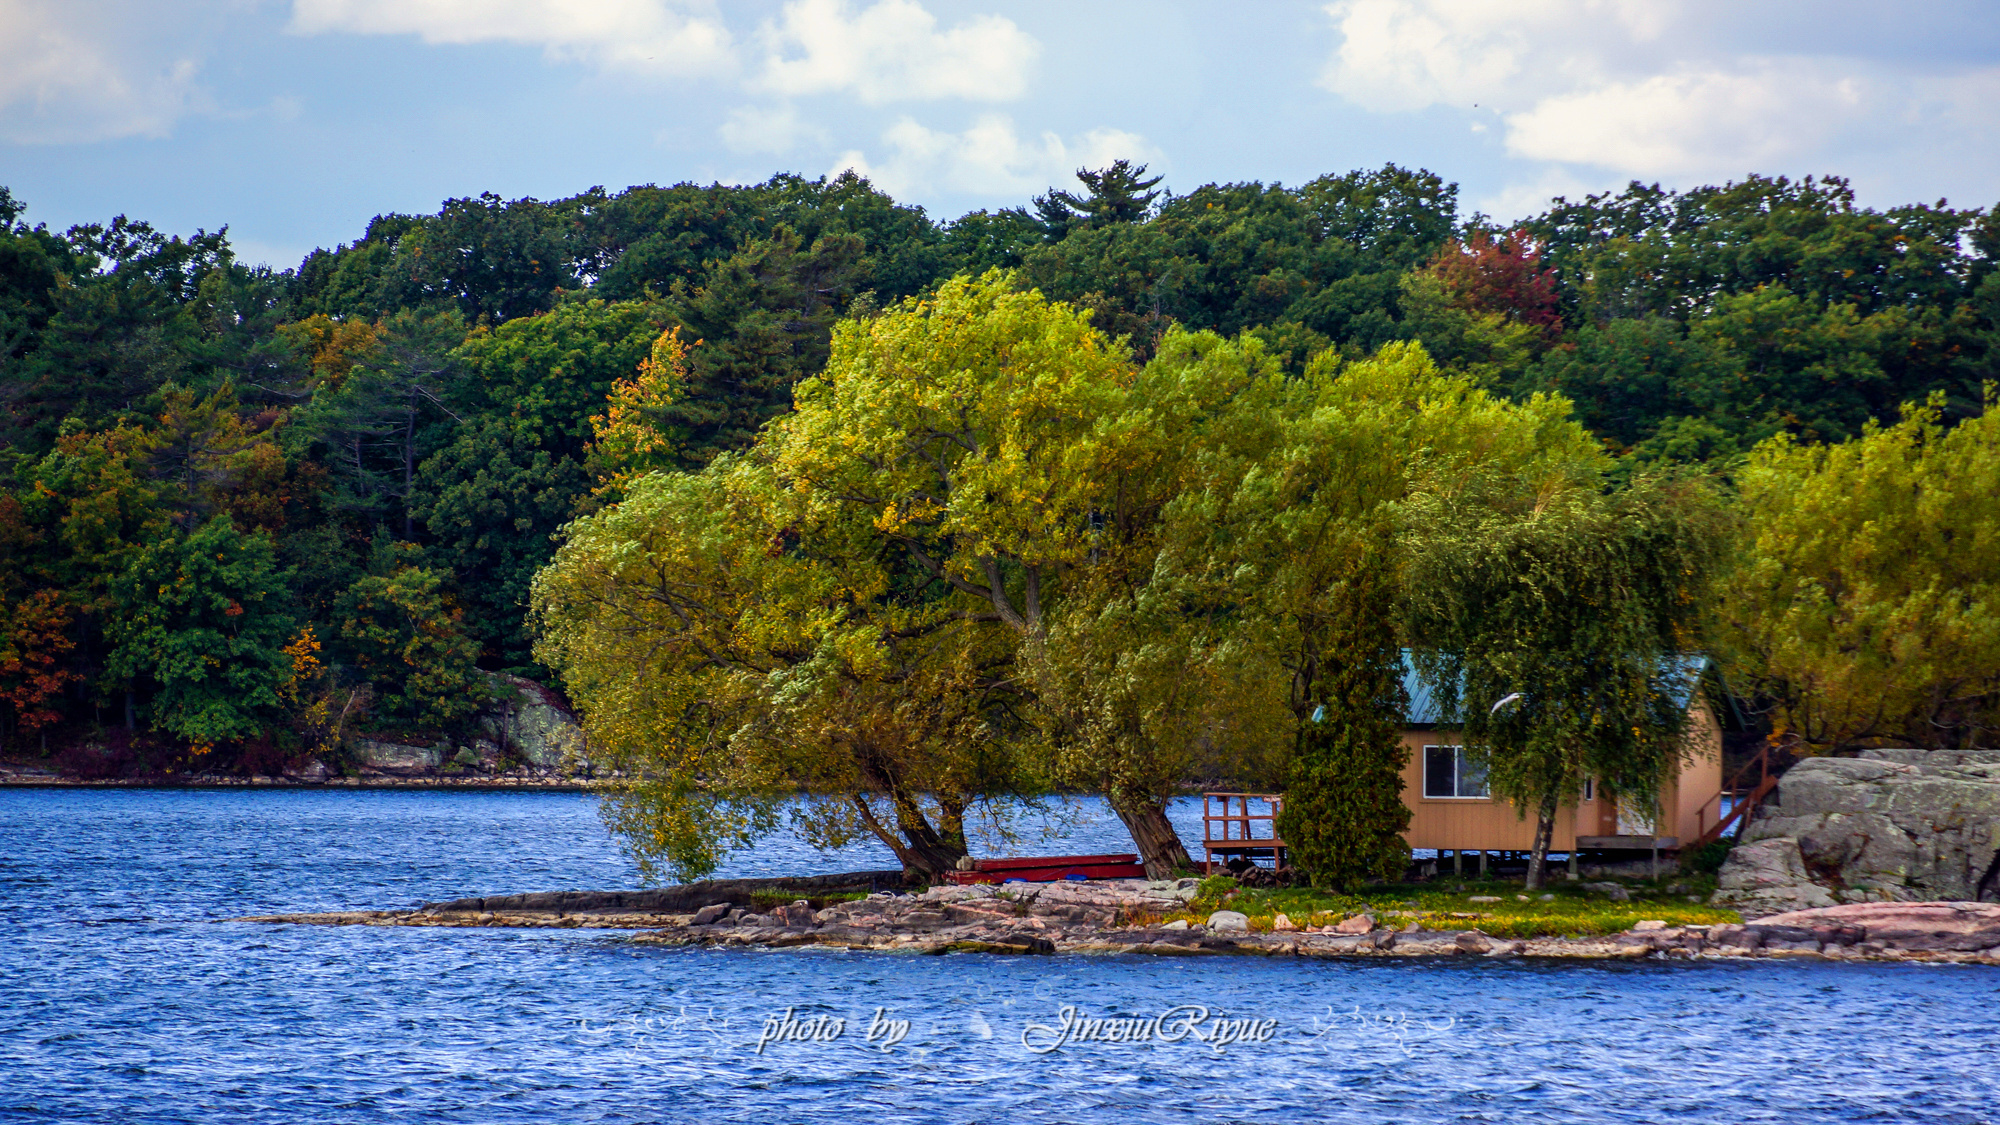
[[34, 637], [1503, 275]]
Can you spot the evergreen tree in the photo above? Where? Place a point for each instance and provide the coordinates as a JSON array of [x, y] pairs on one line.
[[1118, 194], [763, 319], [1343, 817], [387, 414]]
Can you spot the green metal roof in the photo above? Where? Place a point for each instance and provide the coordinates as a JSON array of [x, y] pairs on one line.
[[1425, 711]]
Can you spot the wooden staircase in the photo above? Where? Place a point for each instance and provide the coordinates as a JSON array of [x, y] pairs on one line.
[[1750, 785], [1228, 828]]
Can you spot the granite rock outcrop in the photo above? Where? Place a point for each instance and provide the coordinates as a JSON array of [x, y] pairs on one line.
[[521, 728], [1888, 825]]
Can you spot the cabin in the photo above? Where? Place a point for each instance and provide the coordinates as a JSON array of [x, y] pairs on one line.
[[1452, 811], [1455, 816]]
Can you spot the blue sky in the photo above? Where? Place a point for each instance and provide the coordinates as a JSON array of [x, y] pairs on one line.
[[295, 121]]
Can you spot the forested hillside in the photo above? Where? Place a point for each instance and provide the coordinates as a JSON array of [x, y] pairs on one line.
[[245, 510]]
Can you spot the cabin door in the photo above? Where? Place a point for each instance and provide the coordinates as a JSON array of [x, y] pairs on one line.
[[1607, 815]]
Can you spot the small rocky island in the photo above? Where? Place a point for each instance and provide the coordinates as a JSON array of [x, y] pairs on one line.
[[1885, 856], [1137, 916]]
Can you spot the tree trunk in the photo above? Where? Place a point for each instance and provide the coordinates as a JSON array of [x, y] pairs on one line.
[[1545, 831], [1160, 847], [409, 468], [918, 847], [934, 853]]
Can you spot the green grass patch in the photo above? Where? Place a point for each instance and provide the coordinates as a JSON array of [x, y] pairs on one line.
[[1570, 912], [763, 901]]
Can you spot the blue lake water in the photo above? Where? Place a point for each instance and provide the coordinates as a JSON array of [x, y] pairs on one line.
[[124, 997]]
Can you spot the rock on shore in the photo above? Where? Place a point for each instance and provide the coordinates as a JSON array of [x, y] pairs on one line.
[[522, 728], [1953, 927], [1889, 825]]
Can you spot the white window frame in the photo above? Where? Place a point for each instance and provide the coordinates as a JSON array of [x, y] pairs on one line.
[[1457, 765]]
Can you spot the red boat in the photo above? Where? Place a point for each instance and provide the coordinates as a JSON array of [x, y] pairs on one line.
[[1048, 869]]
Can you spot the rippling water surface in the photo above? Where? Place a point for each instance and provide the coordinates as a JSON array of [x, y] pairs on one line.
[[125, 997]]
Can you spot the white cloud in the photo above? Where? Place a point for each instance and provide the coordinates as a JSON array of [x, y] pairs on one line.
[[79, 72], [1410, 54], [646, 36], [989, 159], [1708, 122], [893, 51], [1660, 88]]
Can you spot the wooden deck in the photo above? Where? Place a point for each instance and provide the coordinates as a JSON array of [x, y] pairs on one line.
[[1627, 843]]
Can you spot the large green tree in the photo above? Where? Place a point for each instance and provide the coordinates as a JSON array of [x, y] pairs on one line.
[[492, 502], [862, 617], [200, 627], [404, 634], [1802, 312], [1865, 604]]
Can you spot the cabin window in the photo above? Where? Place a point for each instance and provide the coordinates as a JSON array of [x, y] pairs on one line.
[[1450, 773]]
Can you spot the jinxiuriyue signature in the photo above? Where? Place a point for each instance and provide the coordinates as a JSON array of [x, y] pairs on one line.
[[1176, 1024]]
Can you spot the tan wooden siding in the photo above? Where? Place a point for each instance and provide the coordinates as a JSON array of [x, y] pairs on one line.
[[1490, 824]]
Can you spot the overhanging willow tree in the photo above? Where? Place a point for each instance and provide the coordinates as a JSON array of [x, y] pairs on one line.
[[854, 608], [729, 653], [987, 440], [1583, 601]]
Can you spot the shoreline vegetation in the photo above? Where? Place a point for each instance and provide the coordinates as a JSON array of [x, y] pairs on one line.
[[1190, 917], [735, 495]]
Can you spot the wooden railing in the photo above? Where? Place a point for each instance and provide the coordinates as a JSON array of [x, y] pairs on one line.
[[1236, 835], [1749, 792]]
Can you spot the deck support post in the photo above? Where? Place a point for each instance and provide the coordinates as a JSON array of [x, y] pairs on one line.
[[1482, 863]]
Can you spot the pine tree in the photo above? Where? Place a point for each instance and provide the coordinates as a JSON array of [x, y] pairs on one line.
[[1118, 194]]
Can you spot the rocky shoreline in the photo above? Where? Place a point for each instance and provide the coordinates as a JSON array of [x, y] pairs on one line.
[[48, 779], [1128, 916]]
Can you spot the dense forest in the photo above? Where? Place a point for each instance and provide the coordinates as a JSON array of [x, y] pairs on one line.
[[246, 511]]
